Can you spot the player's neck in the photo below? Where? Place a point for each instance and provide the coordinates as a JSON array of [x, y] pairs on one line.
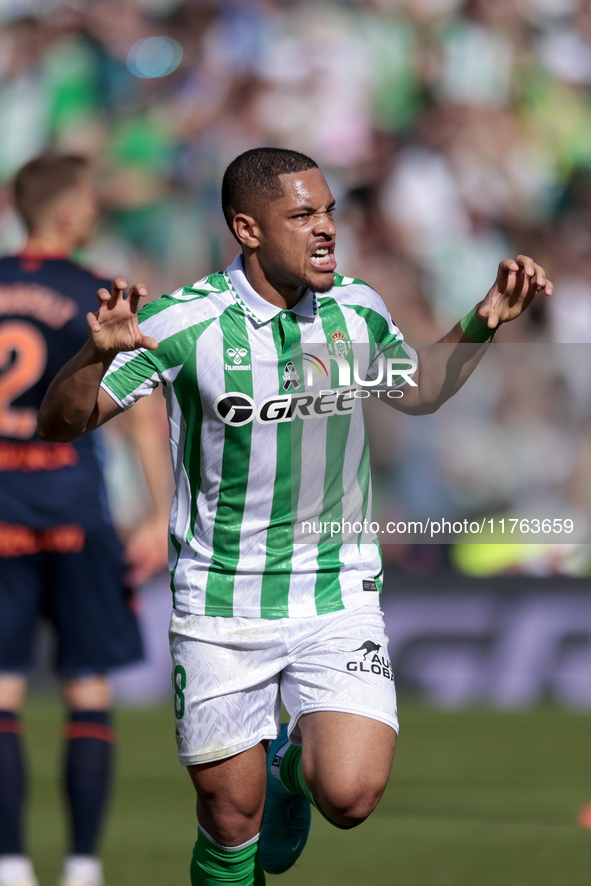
[[279, 293], [47, 246]]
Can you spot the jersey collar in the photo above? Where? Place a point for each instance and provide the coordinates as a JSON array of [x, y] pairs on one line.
[[255, 305]]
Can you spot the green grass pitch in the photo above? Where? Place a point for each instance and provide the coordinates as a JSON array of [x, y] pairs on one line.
[[476, 798]]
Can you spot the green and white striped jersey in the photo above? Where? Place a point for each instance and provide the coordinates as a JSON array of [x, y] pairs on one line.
[[264, 435]]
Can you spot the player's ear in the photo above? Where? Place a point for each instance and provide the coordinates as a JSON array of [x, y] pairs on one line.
[[65, 214], [247, 230], [61, 213]]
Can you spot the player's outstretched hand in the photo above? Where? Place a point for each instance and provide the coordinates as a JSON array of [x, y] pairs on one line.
[[518, 282], [114, 327]]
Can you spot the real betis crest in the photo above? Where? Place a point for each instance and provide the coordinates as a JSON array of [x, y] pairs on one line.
[[339, 345]]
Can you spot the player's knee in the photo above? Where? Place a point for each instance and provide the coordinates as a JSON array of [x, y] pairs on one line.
[[230, 823], [230, 817], [360, 808], [231, 808], [93, 693], [350, 806], [230, 828]]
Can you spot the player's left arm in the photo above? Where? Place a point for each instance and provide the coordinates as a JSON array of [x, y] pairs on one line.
[[444, 366], [146, 551]]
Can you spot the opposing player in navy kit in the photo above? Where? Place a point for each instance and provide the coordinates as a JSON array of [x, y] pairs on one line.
[[59, 554]]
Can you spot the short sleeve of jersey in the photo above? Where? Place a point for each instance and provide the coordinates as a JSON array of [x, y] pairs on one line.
[[135, 374], [130, 376]]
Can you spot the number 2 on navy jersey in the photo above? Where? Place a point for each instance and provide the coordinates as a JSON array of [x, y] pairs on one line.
[[23, 357]]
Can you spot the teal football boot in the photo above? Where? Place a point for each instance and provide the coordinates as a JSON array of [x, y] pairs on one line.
[[287, 817]]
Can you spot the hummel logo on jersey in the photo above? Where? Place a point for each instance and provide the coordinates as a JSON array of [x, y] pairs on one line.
[[237, 355], [235, 408], [290, 377]]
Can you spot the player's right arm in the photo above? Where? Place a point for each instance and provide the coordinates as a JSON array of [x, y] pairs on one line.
[[75, 403]]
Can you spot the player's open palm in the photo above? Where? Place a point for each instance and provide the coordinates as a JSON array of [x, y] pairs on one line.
[[114, 327], [518, 282]]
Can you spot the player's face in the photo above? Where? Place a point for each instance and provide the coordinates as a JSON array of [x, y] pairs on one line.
[[297, 234]]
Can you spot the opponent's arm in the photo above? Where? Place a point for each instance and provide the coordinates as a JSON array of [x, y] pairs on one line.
[[74, 403], [446, 365]]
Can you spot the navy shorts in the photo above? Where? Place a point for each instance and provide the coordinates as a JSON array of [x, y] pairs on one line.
[[84, 597]]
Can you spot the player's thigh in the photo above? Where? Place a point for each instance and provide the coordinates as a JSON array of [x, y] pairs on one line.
[[226, 675], [22, 581], [91, 608], [340, 663], [346, 757]]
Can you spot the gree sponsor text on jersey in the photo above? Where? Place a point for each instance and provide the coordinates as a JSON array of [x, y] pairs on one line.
[[237, 409]]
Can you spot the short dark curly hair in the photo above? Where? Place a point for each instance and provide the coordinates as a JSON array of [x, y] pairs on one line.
[[254, 177]]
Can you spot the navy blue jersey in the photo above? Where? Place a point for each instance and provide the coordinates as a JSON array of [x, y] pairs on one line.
[[45, 487]]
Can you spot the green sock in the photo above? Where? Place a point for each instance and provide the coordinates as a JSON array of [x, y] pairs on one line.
[[213, 864], [290, 771], [292, 779]]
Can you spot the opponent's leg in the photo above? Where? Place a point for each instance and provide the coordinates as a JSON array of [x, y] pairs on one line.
[[87, 589], [15, 867], [21, 586], [88, 762], [230, 801]]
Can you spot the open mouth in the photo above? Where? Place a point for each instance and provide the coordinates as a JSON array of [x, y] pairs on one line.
[[323, 258]]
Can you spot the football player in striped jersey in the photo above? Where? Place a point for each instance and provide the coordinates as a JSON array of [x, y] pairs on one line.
[[267, 435]]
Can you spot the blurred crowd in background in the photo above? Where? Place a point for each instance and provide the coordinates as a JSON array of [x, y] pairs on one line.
[[453, 133]]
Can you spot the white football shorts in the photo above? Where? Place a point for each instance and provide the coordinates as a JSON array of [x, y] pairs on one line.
[[231, 674]]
